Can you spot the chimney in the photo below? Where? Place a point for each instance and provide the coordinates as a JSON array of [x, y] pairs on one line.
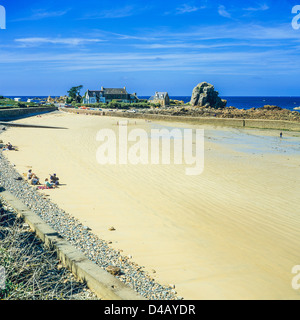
[[101, 88]]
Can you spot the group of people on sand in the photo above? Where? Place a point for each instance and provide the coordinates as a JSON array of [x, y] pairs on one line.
[[9, 147], [35, 181]]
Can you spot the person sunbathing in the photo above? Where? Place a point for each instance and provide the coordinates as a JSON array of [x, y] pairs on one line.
[[54, 179], [35, 180], [49, 184], [9, 146]]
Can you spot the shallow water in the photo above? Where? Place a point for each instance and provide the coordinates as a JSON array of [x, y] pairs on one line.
[[246, 140], [249, 141]]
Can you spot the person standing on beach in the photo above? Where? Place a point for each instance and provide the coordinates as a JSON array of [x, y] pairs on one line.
[[280, 134]]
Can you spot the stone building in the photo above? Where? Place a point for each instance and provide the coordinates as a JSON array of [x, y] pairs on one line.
[[160, 97], [106, 95]]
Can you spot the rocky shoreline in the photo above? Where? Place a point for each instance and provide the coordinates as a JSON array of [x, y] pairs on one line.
[[265, 113], [81, 237]]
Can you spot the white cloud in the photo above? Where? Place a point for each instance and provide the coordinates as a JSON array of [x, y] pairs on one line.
[[114, 13], [235, 31], [63, 41], [42, 14], [187, 9], [213, 45], [239, 62], [223, 12], [262, 7]]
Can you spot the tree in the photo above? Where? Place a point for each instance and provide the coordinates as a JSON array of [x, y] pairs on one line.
[[74, 93]]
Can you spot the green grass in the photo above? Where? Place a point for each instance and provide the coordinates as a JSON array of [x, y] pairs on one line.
[[6, 103], [31, 269]]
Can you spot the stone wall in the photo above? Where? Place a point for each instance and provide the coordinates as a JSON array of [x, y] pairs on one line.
[[18, 113], [82, 111], [273, 124], [225, 122]]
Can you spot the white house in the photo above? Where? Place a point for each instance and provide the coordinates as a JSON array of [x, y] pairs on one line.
[[107, 95]]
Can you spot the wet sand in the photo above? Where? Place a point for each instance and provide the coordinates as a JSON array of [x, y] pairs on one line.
[[230, 233]]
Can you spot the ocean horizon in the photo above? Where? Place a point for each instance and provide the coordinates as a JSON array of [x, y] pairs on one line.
[[239, 102]]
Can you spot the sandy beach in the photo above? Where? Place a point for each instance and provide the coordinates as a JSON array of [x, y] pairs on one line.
[[230, 233]]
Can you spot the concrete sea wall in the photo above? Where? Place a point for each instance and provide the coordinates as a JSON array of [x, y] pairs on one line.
[[273, 124], [103, 284], [225, 122], [18, 113]]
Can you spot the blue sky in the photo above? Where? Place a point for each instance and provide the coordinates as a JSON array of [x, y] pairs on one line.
[[242, 47]]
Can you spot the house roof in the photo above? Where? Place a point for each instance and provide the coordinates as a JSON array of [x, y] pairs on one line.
[[115, 91], [107, 91], [159, 96], [93, 92]]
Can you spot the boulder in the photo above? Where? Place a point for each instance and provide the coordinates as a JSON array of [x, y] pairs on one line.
[[268, 107], [204, 95]]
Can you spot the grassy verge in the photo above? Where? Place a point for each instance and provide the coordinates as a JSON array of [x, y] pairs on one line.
[[32, 272]]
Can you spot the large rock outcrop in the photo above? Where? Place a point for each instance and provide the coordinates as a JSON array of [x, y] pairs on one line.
[[204, 95]]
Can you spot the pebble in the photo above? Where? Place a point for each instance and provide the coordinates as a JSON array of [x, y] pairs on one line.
[[81, 237], [113, 270]]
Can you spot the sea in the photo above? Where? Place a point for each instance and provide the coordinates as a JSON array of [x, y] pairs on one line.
[[289, 103]]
